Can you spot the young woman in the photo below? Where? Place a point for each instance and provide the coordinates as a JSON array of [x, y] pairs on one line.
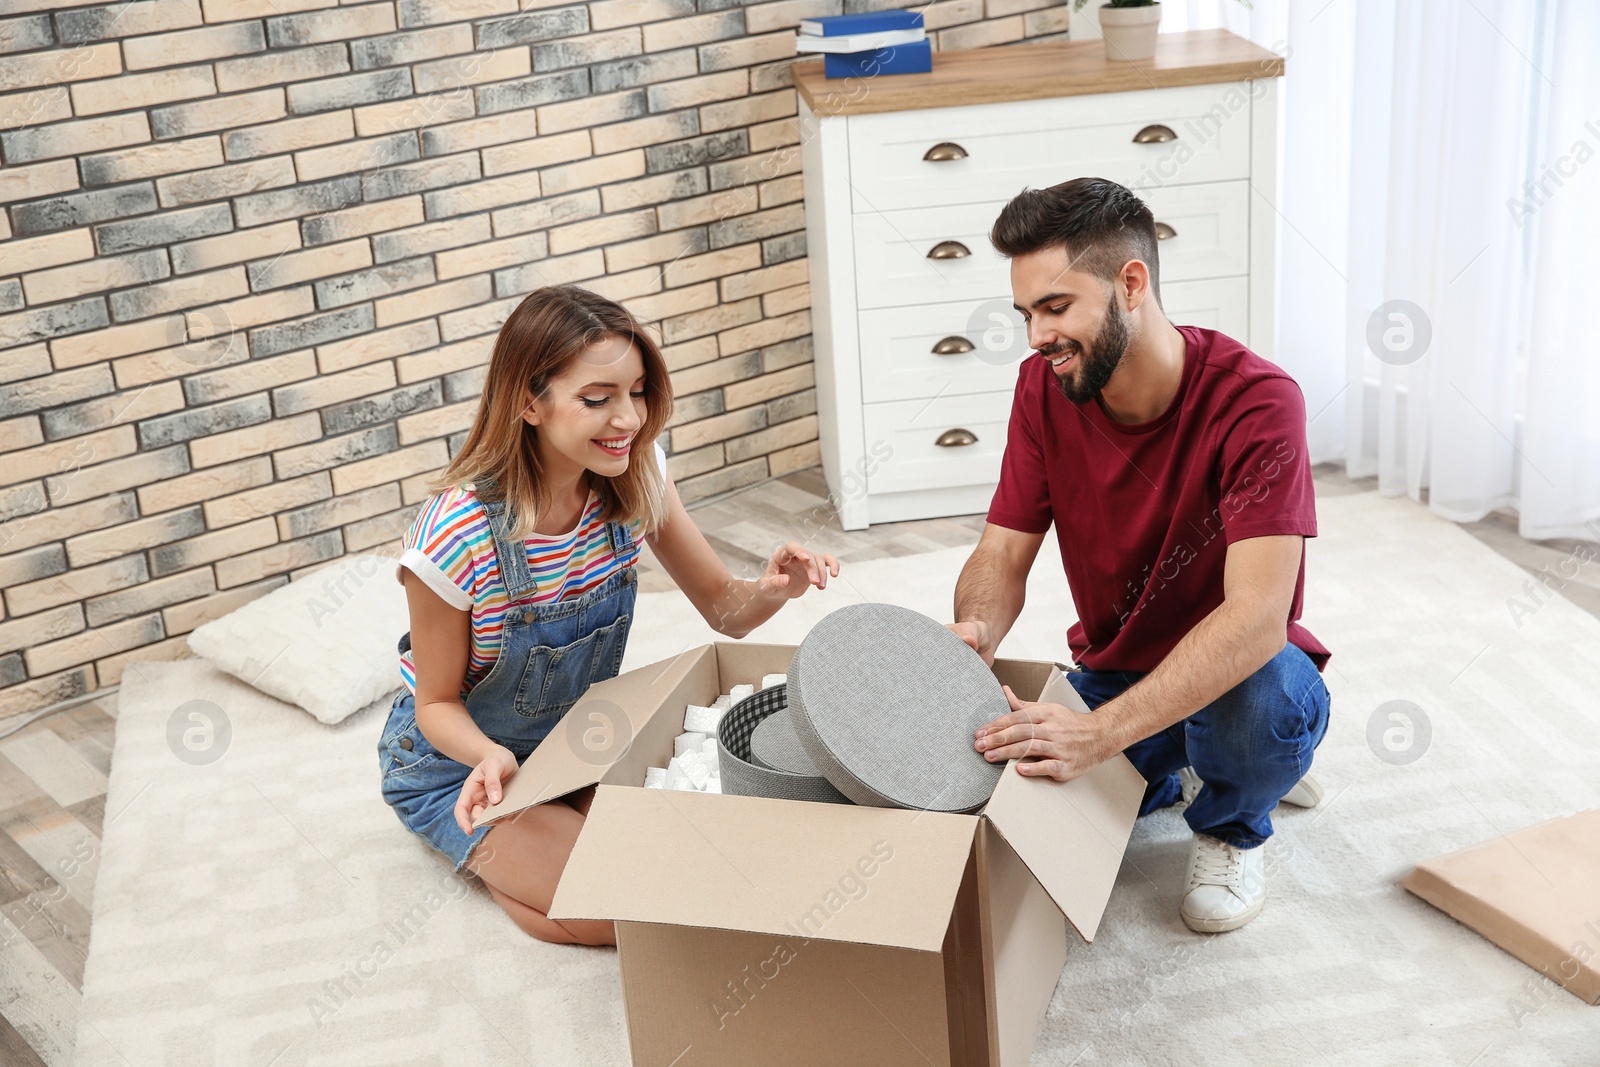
[[520, 580]]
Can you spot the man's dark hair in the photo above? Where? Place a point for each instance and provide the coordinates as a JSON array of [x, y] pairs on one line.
[[1101, 224]]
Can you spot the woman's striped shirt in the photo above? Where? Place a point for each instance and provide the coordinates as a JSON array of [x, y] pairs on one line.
[[450, 547]]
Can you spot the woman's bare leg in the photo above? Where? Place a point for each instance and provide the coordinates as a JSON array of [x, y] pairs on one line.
[[521, 861]]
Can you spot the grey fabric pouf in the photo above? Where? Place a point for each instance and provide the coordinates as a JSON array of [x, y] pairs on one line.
[[743, 775], [887, 702], [774, 745]]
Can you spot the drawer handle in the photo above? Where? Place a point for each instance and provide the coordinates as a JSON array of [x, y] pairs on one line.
[[1163, 231], [949, 250], [953, 346], [1155, 134], [944, 151], [956, 438]]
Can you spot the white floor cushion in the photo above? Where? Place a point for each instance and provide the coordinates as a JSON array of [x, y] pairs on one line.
[[326, 643]]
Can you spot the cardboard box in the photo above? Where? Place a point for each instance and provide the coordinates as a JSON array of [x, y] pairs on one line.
[[1533, 892], [776, 932]]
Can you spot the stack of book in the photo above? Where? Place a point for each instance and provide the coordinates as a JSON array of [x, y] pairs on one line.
[[868, 44]]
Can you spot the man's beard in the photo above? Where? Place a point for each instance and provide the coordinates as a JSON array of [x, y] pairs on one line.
[[1095, 365]]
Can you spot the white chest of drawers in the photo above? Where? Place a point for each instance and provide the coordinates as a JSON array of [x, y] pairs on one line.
[[904, 175]]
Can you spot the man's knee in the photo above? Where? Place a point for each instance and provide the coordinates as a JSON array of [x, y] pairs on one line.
[[1283, 704], [1287, 685]]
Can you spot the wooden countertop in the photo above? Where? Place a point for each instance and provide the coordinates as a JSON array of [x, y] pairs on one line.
[[1032, 71]]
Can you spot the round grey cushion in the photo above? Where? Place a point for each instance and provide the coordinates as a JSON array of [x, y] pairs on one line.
[[774, 744], [887, 701], [742, 774]]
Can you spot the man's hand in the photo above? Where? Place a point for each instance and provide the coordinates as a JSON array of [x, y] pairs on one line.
[[976, 635], [1050, 740]]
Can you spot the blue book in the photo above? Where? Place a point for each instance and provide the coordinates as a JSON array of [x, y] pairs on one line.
[[914, 58], [865, 22]]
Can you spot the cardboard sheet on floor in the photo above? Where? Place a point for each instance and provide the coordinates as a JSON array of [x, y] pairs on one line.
[[1535, 893]]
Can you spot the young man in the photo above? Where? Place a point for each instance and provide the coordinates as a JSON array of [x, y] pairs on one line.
[[1172, 461]]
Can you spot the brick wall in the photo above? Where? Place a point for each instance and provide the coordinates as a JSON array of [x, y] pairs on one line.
[[253, 255]]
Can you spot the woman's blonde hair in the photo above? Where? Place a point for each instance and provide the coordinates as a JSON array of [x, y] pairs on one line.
[[540, 339]]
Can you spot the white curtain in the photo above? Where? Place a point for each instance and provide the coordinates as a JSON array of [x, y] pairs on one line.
[[1560, 483], [1436, 263], [1439, 244]]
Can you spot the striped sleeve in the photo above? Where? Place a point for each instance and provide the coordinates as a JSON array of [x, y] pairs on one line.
[[442, 545]]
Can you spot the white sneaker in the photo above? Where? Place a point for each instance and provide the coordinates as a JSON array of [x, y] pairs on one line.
[[1191, 783], [1227, 885], [1306, 793]]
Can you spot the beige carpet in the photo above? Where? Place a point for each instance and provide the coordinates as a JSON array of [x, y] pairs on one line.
[[267, 910]]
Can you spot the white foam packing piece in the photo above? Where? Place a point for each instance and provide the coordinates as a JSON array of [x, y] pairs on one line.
[[770, 680], [654, 777], [739, 692], [701, 719], [708, 748], [692, 765], [714, 785], [687, 742], [676, 777], [723, 702]]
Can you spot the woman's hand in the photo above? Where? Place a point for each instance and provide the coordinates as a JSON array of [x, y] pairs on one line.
[[792, 569], [482, 787]]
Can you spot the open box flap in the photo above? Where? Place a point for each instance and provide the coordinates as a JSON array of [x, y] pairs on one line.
[[747, 662], [597, 732], [1070, 834], [838, 872]]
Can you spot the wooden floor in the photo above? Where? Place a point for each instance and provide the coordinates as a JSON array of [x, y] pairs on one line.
[[52, 811], [53, 773], [746, 525]]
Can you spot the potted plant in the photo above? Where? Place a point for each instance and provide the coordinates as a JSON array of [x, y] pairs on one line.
[[1129, 27]]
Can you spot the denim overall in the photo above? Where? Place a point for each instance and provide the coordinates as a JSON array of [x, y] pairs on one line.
[[550, 653]]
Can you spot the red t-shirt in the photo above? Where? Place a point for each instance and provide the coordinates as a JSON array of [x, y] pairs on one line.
[[1144, 513]]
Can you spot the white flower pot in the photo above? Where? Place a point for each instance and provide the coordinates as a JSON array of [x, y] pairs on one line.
[[1130, 32]]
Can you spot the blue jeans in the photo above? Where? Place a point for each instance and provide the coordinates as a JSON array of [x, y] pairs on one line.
[[1250, 745]]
